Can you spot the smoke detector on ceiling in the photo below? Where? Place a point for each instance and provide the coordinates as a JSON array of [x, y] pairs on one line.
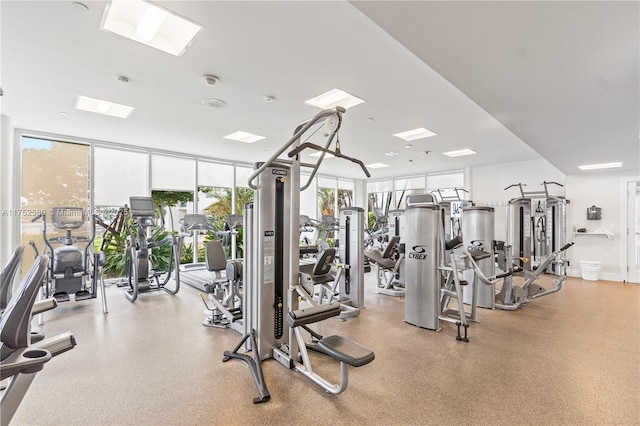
[[210, 80]]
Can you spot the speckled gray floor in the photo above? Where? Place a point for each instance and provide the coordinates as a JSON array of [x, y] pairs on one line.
[[569, 358]]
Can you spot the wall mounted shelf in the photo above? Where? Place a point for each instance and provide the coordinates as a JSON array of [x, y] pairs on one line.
[[590, 233]]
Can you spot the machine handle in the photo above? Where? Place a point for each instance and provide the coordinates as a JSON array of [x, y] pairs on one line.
[[33, 246], [506, 274], [566, 246], [168, 239], [41, 215], [516, 184], [303, 127], [336, 153]]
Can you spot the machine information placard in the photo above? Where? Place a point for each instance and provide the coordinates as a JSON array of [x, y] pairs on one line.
[[268, 271], [456, 208]]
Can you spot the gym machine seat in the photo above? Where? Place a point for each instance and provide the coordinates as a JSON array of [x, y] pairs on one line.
[[19, 360], [216, 261], [388, 264], [385, 259], [346, 351], [318, 273]]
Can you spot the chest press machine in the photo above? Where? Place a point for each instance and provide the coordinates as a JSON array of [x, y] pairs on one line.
[[274, 320]]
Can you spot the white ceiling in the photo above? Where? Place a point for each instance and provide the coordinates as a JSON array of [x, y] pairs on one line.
[[511, 80]]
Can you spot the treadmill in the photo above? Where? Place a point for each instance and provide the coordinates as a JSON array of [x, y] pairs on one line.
[[197, 274]]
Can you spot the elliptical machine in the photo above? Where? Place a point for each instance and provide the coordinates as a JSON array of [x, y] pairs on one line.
[[140, 273], [72, 269]]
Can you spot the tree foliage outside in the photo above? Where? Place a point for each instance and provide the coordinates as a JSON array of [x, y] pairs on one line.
[[54, 174], [167, 200], [345, 198], [171, 198], [326, 201], [381, 200], [220, 209]]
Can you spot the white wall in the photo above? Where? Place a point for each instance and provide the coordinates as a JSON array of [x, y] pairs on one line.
[[6, 188], [608, 191], [604, 189], [488, 185]]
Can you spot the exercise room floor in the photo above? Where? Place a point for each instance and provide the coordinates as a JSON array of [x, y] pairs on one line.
[[569, 358]]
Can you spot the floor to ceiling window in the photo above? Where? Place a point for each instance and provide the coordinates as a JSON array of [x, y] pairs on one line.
[[54, 174]]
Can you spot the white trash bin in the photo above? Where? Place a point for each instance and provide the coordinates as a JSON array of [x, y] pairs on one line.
[[590, 270]]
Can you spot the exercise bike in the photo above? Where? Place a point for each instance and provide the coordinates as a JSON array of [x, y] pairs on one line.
[[141, 276], [72, 269]]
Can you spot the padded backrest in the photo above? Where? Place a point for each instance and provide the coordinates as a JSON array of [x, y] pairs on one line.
[[323, 264], [391, 247], [14, 324], [214, 256], [234, 270], [453, 243], [7, 275]]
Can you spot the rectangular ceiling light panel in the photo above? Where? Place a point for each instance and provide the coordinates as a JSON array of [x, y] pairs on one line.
[[319, 153], [600, 166], [149, 24], [334, 98], [412, 135], [377, 165], [245, 137], [99, 106], [459, 153]]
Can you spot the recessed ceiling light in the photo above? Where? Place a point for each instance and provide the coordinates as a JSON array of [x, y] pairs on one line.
[[269, 99], [600, 166], [460, 152], [377, 165], [412, 135], [319, 153], [391, 154], [99, 106], [150, 24], [334, 98], [408, 146], [214, 103], [244, 137]]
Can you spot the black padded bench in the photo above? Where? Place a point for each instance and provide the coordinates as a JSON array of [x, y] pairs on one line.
[[338, 347], [344, 350]]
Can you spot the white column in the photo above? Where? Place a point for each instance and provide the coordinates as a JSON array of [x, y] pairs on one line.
[[360, 193], [7, 186]]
